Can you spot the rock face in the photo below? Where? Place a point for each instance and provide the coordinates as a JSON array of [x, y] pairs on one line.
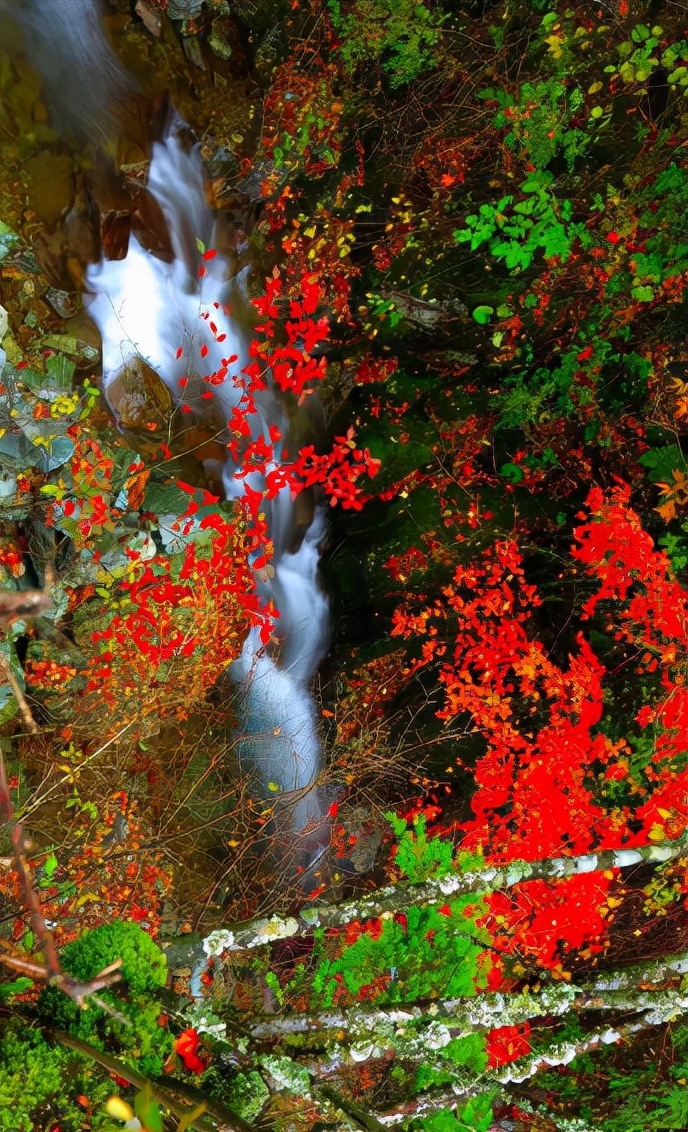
[[139, 397], [182, 9]]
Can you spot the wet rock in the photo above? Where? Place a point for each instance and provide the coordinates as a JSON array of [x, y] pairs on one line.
[[272, 50], [228, 48], [363, 831], [84, 356], [221, 40], [115, 229], [50, 188], [220, 163], [8, 484], [151, 17], [64, 253], [184, 9], [65, 304], [9, 240], [193, 51], [428, 316], [139, 398]]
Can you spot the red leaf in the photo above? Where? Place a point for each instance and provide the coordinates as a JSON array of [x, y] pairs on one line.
[[186, 1046]]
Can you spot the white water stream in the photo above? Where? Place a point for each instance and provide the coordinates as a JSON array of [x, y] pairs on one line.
[[149, 309]]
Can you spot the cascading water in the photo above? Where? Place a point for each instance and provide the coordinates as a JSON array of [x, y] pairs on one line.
[[148, 309], [161, 313], [86, 87]]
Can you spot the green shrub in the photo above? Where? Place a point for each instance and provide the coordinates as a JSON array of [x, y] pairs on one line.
[[144, 971], [401, 34]]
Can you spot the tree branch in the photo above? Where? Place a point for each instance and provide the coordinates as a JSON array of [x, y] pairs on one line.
[[394, 898], [51, 974]]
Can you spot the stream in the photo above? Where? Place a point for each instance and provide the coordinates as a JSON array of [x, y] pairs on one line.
[[189, 319]]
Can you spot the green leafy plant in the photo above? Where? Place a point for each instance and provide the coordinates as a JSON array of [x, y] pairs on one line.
[[399, 35]]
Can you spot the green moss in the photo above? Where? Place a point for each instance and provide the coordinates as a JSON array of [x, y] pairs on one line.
[[246, 1095], [34, 1073], [144, 966], [144, 971]]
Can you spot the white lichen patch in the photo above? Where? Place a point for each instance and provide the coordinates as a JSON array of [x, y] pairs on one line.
[[275, 928], [218, 942], [287, 1075]]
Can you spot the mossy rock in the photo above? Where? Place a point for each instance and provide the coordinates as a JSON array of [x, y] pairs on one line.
[[144, 972]]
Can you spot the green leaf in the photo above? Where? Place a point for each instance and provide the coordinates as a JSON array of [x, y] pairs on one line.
[[49, 865], [661, 462], [8, 240], [537, 181], [18, 986], [511, 472], [677, 549], [147, 1109], [643, 294], [483, 314], [65, 342], [60, 371]]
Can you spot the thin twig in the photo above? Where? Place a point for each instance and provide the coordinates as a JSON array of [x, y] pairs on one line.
[[51, 974]]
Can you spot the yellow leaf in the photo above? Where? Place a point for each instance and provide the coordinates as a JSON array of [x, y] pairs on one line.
[[187, 1122], [118, 1108], [554, 43]]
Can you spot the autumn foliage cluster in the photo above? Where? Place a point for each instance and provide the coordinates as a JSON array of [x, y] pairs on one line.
[[469, 241]]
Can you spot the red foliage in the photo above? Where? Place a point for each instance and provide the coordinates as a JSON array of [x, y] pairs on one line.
[[507, 1044], [208, 607], [186, 1047], [542, 786], [543, 921], [538, 787]]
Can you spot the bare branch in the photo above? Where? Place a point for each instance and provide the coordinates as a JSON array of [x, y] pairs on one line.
[[163, 1093], [51, 974], [393, 898]]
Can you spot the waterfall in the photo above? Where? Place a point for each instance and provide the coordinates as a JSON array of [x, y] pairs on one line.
[[186, 328], [87, 90]]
